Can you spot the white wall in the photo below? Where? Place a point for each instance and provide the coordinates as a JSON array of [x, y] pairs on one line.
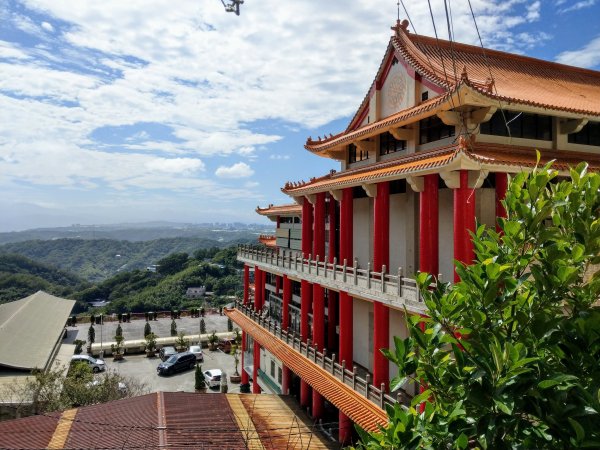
[[446, 234], [485, 210], [398, 235], [397, 328], [363, 231], [362, 339], [397, 93]]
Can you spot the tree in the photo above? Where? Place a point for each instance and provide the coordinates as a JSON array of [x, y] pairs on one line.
[[172, 264], [147, 329], [119, 330], [200, 381], [202, 326], [53, 390], [510, 356], [173, 328], [91, 334]]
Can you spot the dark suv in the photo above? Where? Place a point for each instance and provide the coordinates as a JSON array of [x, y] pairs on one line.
[[177, 363]]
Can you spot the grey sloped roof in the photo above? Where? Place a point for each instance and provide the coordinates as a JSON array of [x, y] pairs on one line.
[[30, 330]]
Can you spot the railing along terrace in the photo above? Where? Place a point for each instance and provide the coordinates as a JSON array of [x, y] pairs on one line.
[[363, 386], [394, 289]]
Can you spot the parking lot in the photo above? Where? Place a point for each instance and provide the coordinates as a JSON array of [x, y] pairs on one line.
[[143, 369]]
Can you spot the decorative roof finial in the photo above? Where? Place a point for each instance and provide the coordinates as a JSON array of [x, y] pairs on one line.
[[464, 75], [399, 26]]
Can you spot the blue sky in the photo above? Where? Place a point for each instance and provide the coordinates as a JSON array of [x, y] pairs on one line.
[[114, 111]]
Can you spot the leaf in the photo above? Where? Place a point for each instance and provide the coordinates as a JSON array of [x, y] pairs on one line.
[[462, 441], [423, 396], [579, 431]]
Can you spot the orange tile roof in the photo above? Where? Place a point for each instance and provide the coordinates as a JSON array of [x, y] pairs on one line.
[[362, 411], [483, 154], [516, 79], [292, 209], [269, 241]]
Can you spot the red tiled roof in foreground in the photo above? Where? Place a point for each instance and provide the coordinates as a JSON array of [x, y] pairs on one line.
[[362, 411], [171, 420], [457, 156]]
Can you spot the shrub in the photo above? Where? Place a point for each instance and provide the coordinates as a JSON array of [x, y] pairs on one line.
[[91, 334], [229, 325], [78, 346], [200, 381], [173, 328], [202, 326], [147, 329], [119, 331]]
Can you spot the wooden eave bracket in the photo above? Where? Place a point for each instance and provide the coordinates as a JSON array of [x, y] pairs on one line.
[[416, 183], [572, 126], [311, 198], [401, 134], [472, 118], [370, 189], [452, 178], [365, 146], [336, 194], [299, 199]]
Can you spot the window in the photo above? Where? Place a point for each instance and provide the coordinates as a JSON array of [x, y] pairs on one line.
[[272, 369], [425, 96], [521, 125], [589, 135], [433, 129], [355, 155], [279, 375], [389, 144]]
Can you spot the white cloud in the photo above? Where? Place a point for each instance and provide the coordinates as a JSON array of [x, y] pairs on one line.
[[238, 170], [279, 157], [175, 165], [587, 56], [578, 5], [48, 27], [9, 50]]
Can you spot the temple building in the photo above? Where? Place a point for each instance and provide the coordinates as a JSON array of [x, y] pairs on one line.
[[426, 156]]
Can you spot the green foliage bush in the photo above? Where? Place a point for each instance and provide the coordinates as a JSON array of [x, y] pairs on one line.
[[510, 356]]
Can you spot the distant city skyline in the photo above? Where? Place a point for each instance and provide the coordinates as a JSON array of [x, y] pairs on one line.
[[140, 111]]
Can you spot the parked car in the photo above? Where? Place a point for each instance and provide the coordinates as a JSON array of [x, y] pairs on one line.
[[121, 387], [97, 365], [177, 363], [225, 345], [166, 352], [213, 378], [197, 350]]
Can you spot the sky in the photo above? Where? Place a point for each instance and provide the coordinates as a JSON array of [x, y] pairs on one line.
[[130, 111]]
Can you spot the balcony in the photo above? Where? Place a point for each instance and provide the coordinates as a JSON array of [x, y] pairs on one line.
[[394, 290], [278, 340]]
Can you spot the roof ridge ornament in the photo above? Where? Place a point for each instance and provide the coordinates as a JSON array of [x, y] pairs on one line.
[[464, 76], [400, 26]]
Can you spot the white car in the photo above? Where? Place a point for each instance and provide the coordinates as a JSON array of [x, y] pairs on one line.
[[97, 365], [197, 351], [213, 378]]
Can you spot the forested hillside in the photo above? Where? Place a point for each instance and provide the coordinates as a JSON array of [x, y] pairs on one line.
[[21, 277], [96, 260], [142, 290]]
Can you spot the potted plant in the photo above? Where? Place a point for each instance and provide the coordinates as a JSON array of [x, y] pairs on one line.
[[212, 341], [202, 326], [200, 382], [150, 345], [78, 346], [173, 328], [117, 349], [119, 331], [181, 344]]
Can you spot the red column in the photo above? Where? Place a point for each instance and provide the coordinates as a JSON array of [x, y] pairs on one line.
[[305, 304], [256, 366], [501, 188], [381, 256], [244, 373], [287, 296], [277, 284], [332, 213], [332, 308], [307, 233], [346, 351], [464, 221], [246, 283], [257, 292], [319, 227], [429, 226]]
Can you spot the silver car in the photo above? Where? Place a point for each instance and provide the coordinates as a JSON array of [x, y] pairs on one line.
[[97, 365]]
